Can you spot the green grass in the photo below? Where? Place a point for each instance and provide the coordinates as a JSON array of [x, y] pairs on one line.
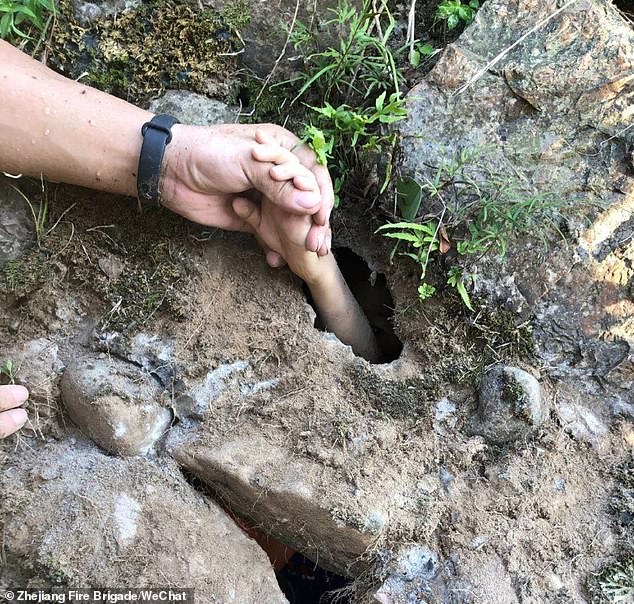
[[19, 19], [351, 90], [463, 212]]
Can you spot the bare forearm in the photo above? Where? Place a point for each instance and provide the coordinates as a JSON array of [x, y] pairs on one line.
[[341, 313], [63, 130]]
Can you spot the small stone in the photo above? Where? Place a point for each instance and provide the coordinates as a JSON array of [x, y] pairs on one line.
[[111, 266], [116, 403], [581, 423], [510, 405], [89, 12], [444, 415], [194, 109], [553, 582], [194, 401], [478, 541], [16, 222]]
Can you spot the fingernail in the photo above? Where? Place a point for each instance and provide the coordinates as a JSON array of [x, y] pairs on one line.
[[307, 200], [320, 241], [17, 416], [19, 393]]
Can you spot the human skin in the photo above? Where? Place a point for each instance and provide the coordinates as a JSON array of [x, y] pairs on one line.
[[61, 130], [11, 418], [285, 233], [57, 128]]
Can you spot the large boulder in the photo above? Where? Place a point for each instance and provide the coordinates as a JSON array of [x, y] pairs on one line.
[[550, 109], [73, 515]]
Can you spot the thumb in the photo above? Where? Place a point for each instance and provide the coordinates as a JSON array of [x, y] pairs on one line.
[[249, 211]]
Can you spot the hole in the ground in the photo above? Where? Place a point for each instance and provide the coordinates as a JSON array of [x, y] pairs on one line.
[[626, 7], [301, 580], [373, 295]]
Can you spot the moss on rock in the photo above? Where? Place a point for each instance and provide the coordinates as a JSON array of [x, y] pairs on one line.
[[140, 52]]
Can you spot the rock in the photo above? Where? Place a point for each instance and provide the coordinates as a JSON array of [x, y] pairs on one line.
[[414, 574], [111, 266], [16, 222], [246, 473], [521, 113], [581, 423], [266, 33], [510, 405], [106, 521], [89, 12], [36, 365], [445, 416], [194, 109], [116, 403]]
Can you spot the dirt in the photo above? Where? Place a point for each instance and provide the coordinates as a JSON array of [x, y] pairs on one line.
[[344, 461], [539, 505]]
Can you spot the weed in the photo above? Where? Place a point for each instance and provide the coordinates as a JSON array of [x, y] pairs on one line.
[[455, 12], [17, 17], [39, 212], [419, 52], [361, 83], [616, 583], [466, 203], [9, 370]]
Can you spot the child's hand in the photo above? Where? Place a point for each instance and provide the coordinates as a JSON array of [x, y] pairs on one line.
[[280, 231]]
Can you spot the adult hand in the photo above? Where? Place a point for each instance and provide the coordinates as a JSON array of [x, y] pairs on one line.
[[206, 168], [12, 419]]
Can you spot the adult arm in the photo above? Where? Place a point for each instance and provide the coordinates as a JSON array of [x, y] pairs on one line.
[[69, 132]]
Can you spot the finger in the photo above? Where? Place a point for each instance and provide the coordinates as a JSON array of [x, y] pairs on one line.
[[292, 170], [322, 216], [12, 396], [274, 154], [305, 182], [248, 211], [283, 194], [326, 246], [264, 137], [316, 237], [302, 177], [11, 421], [274, 260]]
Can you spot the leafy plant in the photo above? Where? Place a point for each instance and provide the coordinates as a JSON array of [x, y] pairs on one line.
[[10, 370], [16, 14], [455, 12], [468, 209], [419, 52], [616, 583], [360, 83]]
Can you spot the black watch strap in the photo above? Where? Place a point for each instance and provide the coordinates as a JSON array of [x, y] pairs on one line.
[[157, 135]]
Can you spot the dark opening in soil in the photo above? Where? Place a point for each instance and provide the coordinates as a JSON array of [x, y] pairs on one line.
[[626, 7], [301, 580], [371, 291]]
